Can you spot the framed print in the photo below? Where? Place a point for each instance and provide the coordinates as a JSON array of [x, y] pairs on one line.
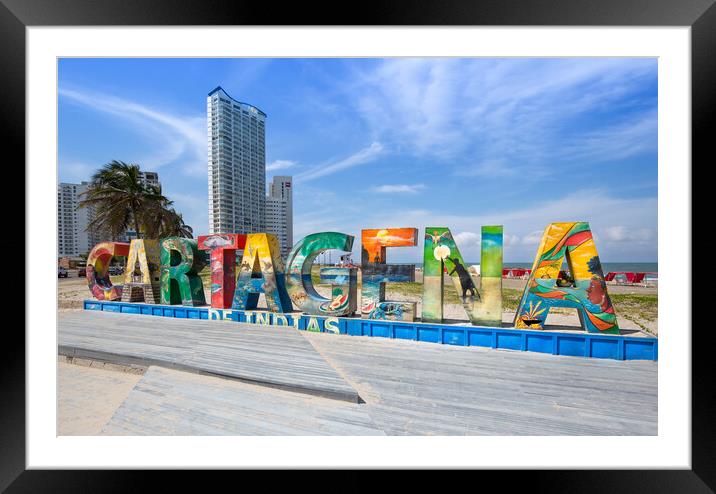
[[441, 228]]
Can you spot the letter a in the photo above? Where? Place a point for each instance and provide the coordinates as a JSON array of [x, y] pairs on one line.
[[587, 292], [261, 271]]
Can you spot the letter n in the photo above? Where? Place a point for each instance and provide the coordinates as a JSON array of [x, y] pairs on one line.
[[482, 302]]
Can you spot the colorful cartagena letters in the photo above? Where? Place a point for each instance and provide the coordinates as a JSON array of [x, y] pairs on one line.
[[547, 287], [222, 248], [142, 276], [170, 266], [261, 271], [98, 270], [181, 260], [375, 272], [483, 303], [344, 281]]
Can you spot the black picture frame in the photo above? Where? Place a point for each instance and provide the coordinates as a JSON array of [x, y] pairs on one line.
[[16, 15]]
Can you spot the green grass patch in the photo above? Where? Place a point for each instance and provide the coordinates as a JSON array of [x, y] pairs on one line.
[[511, 299], [642, 306], [407, 289]]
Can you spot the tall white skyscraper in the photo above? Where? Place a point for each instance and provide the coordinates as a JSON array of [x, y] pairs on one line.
[[67, 228], [73, 235], [279, 212], [237, 165]]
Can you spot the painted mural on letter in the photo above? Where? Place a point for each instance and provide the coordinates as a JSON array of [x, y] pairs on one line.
[[97, 271], [261, 271], [344, 281], [375, 273], [483, 303], [586, 291], [166, 272], [181, 260], [222, 248], [142, 276]]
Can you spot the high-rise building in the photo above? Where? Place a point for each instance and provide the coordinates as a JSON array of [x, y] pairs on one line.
[[74, 237], [237, 165], [150, 178], [67, 228], [279, 212], [147, 179]]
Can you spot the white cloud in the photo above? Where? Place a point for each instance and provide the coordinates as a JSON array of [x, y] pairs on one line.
[[175, 137], [533, 237], [280, 165], [626, 234], [501, 169], [503, 109], [494, 168], [365, 155], [178, 141], [524, 225], [399, 189], [616, 233], [76, 171], [509, 240], [410, 101], [625, 139], [467, 239]]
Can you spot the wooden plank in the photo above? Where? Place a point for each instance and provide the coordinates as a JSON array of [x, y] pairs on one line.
[[409, 388], [274, 356], [167, 402], [413, 388]]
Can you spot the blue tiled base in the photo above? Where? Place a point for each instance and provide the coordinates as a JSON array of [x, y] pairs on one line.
[[573, 344]]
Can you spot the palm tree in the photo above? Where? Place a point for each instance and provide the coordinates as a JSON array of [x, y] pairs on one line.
[[175, 226], [122, 201], [161, 220]]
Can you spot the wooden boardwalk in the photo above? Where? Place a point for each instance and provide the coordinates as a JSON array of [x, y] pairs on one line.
[[422, 388], [272, 356], [409, 388], [168, 402]]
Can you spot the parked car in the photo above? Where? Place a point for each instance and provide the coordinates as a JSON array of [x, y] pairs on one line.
[[82, 271], [116, 270], [62, 272]]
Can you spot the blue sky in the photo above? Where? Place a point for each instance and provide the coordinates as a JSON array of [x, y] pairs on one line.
[[395, 142]]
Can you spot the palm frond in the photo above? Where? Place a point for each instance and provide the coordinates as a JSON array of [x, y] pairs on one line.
[[121, 201]]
